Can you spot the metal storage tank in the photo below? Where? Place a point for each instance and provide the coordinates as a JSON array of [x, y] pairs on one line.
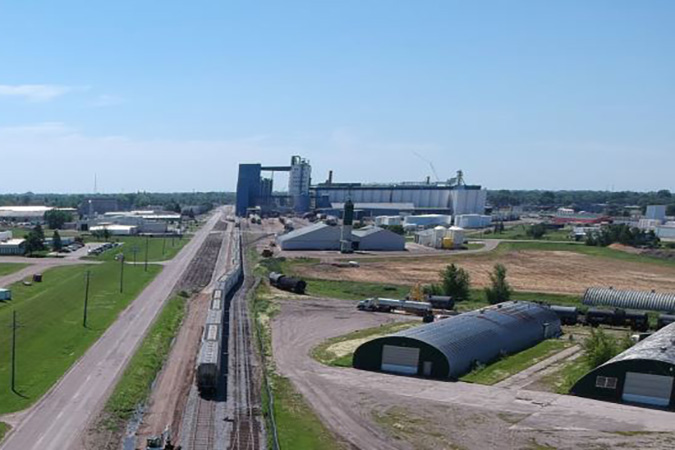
[[641, 375], [451, 347], [644, 300]]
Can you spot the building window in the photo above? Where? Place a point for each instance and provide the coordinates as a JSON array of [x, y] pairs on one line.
[[606, 382]]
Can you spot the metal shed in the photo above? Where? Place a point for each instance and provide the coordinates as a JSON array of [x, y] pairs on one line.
[[319, 236], [641, 375], [450, 348], [643, 300], [378, 239]]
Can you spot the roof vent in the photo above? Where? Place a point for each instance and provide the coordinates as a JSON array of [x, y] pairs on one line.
[[482, 311], [664, 349], [499, 306]]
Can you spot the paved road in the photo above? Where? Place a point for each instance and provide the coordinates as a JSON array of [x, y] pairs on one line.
[[59, 419]]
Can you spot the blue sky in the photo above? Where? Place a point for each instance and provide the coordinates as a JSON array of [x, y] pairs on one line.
[[172, 95]]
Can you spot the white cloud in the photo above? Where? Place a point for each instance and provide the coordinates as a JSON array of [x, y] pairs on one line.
[[105, 100], [36, 92]]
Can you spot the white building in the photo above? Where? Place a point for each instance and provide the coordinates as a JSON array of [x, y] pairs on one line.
[[116, 230], [318, 236], [378, 239], [666, 231], [473, 221], [388, 220], [427, 221], [13, 247], [656, 212]]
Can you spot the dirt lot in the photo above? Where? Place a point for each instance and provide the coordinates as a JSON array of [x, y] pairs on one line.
[[374, 410], [560, 272]]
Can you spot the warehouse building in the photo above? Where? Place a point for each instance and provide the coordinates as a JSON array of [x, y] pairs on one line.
[[452, 347], [322, 236], [427, 221], [13, 247], [116, 230], [377, 239], [625, 299], [319, 236], [641, 375]]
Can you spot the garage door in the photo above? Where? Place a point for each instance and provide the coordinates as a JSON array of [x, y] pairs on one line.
[[647, 389], [402, 360]]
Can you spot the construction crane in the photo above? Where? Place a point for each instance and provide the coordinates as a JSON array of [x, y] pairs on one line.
[[431, 165]]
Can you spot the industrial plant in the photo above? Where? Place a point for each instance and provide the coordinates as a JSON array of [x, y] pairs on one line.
[[255, 194]]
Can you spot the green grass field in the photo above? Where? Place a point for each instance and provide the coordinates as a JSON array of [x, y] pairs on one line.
[[4, 428], [299, 427], [562, 380], [159, 248], [134, 386], [51, 337], [513, 364], [9, 268], [324, 355], [519, 232]]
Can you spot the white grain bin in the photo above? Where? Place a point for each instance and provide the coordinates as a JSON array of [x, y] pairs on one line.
[[457, 236]]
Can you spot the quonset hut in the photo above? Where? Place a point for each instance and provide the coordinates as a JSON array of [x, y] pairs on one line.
[[617, 298], [450, 348], [643, 374]]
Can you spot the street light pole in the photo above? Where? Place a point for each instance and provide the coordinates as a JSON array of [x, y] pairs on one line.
[[86, 298], [147, 242], [121, 273]]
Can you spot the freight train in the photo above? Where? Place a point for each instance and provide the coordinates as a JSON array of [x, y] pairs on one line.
[[594, 317], [290, 284], [216, 325], [388, 305]]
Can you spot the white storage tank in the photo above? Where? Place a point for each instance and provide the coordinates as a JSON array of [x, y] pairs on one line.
[[457, 235]]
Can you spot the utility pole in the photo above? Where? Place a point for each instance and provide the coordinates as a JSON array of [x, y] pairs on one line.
[[121, 273], [163, 245], [147, 242], [86, 298], [135, 249], [14, 327]]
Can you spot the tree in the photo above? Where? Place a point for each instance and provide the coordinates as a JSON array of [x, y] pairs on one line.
[[600, 347], [57, 244], [499, 290], [456, 282], [56, 218], [536, 231], [398, 229], [35, 240]]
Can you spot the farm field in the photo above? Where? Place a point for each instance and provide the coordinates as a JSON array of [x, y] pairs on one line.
[[532, 267], [159, 248], [8, 268], [51, 336]]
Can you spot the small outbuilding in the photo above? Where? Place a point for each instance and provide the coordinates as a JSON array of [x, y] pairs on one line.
[[641, 375], [452, 347], [378, 239], [5, 294]]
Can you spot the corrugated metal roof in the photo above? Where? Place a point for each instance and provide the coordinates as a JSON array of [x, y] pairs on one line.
[[660, 346], [645, 300], [483, 335], [303, 231]]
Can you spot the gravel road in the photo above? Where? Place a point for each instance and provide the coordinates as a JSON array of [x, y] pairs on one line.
[[451, 415], [58, 420]]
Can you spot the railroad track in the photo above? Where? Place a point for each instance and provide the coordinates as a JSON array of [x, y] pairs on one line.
[[246, 434], [201, 268], [203, 428]]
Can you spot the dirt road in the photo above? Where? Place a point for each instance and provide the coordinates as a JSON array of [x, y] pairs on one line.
[[374, 410], [59, 418], [561, 272]]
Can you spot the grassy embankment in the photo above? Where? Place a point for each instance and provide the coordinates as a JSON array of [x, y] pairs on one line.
[[10, 268], [159, 248], [326, 352], [52, 337], [297, 424], [513, 364], [135, 385]]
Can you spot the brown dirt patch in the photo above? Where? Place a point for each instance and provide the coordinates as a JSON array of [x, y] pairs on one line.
[[559, 272]]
